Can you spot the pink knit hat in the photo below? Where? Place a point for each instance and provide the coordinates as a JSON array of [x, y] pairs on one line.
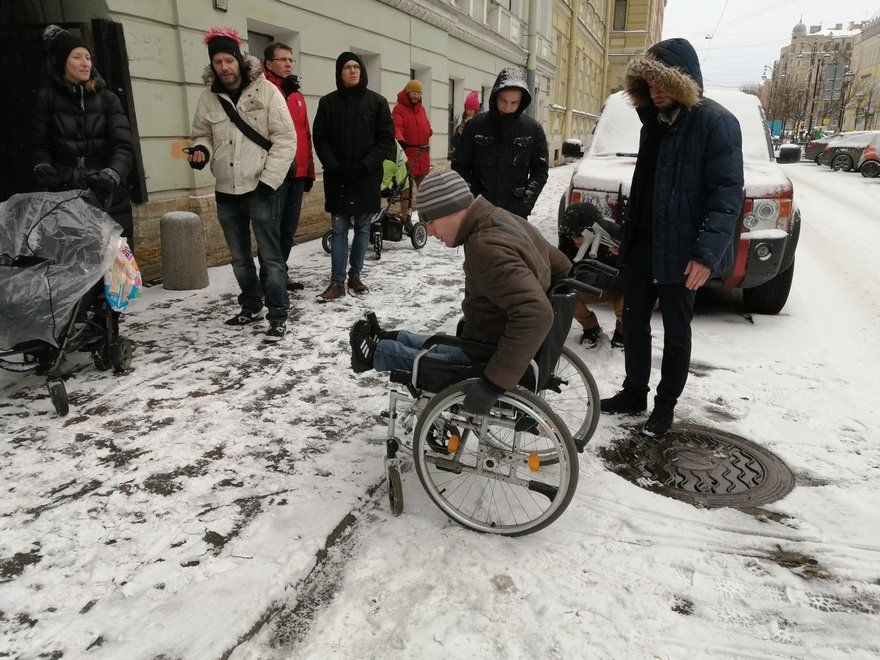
[[472, 102]]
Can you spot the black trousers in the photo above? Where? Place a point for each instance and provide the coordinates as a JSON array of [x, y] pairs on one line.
[[676, 308]]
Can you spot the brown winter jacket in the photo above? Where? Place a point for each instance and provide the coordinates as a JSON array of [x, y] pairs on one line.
[[508, 269]]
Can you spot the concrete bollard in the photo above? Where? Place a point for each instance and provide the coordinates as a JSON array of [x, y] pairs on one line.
[[183, 251]]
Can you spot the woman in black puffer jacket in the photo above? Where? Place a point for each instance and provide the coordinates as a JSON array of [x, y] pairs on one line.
[[81, 138]]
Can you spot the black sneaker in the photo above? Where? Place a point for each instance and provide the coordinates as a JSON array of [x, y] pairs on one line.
[[293, 285], [659, 422], [590, 337], [245, 317], [617, 339], [376, 331], [276, 331], [625, 402], [363, 347]]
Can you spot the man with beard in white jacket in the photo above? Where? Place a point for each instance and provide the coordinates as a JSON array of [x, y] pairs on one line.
[[248, 166]]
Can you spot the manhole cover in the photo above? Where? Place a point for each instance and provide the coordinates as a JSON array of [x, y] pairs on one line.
[[702, 466]]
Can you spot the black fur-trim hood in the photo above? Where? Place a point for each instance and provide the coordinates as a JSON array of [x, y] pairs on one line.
[[672, 63]]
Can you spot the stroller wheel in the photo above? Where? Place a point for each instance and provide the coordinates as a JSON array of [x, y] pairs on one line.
[[418, 235], [377, 244], [58, 394], [325, 241], [101, 358], [120, 354]]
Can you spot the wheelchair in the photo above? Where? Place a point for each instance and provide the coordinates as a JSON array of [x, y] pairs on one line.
[[510, 472]]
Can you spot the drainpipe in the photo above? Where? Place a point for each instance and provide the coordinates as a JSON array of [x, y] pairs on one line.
[[532, 62], [570, 76]]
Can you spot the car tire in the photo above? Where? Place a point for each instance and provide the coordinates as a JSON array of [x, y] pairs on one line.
[[841, 162], [770, 297], [870, 168]]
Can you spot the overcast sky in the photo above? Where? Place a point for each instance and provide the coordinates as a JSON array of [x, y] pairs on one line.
[[748, 34]]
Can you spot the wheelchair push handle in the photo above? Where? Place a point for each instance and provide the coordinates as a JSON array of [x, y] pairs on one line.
[[598, 266]]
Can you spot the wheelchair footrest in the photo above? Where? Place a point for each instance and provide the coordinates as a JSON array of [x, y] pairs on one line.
[[400, 376]]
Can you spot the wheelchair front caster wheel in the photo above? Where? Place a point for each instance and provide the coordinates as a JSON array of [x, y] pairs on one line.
[[395, 490], [58, 394], [325, 241]]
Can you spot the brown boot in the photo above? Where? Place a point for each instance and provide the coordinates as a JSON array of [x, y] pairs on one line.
[[332, 292], [356, 286]]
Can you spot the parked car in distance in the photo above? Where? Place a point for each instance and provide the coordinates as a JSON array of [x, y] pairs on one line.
[[767, 232], [845, 151], [869, 164], [814, 148]]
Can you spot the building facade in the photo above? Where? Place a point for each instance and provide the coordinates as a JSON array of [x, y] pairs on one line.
[[864, 98], [451, 46]]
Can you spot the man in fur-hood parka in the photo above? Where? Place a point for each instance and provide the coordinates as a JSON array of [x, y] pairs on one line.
[[248, 170], [686, 197]]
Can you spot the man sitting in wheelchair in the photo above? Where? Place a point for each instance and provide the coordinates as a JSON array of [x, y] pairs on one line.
[[508, 268]]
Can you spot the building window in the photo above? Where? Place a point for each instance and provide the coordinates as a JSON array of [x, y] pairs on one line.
[[619, 15]]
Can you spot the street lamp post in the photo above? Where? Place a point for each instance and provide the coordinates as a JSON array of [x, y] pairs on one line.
[[847, 81]]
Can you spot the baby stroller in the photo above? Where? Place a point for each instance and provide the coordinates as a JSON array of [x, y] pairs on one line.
[[54, 251], [388, 226]]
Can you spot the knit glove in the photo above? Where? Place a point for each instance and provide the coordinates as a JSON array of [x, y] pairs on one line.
[[307, 185], [204, 150], [481, 396], [47, 176], [104, 184], [289, 85]]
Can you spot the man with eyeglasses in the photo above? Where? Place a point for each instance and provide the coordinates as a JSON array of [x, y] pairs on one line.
[[278, 69], [353, 134]]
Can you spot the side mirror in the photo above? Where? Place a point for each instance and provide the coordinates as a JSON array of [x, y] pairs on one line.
[[572, 148], [789, 153]]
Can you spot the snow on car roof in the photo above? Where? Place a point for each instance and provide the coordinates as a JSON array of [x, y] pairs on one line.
[[619, 125], [616, 142]]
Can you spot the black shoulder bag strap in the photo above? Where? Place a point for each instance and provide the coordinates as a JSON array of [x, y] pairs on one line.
[[249, 132]]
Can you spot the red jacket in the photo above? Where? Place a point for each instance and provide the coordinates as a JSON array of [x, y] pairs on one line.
[[304, 160], [411, 125]]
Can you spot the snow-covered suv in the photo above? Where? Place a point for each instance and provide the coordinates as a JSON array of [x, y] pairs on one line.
[[769, 224]]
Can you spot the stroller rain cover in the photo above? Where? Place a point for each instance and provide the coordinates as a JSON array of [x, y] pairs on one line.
[[54, 247]]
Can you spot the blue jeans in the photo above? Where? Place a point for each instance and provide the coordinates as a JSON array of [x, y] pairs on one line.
[[401, 353], [339, 245], [289, 197], [237, 215]]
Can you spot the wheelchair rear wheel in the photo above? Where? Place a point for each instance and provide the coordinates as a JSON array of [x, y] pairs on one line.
[[325, 240], [492, 478], [572, 393]]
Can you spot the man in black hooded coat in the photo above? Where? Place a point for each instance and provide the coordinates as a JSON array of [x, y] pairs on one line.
[[503, 153], [353, 134]]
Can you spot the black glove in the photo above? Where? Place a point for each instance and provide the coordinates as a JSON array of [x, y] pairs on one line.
[[263, 189], [204, 150], [47, 176], [103, 185], [290, 85], [481, 396], [307, 185]]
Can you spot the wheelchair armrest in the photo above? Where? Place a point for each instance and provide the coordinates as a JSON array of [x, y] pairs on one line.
[[596, 266], [477, 350], [567, 284]]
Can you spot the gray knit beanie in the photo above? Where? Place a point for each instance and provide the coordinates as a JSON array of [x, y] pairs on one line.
[[442, 193]]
